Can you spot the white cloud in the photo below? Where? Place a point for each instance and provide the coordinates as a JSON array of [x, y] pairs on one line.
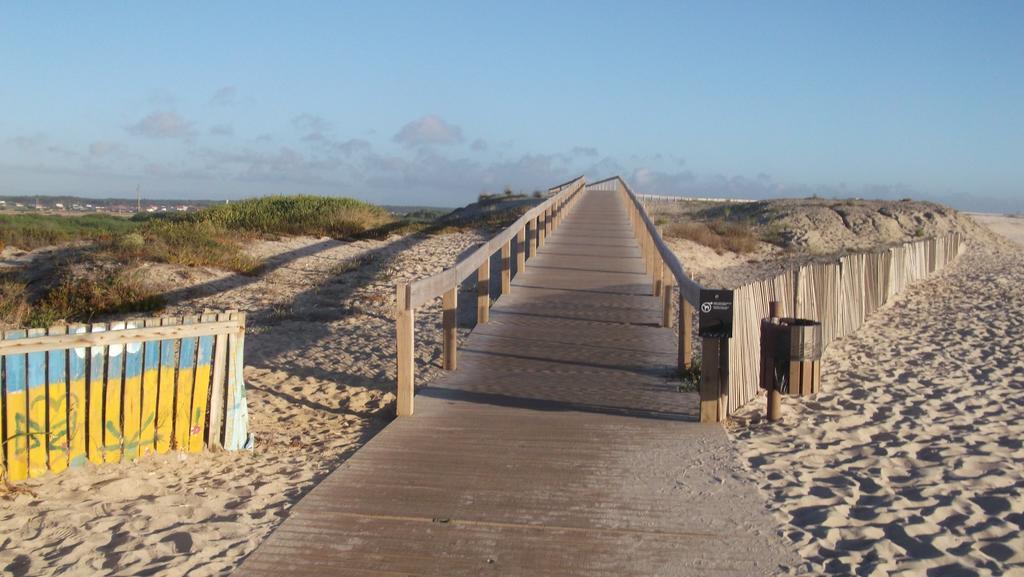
[[479, 145], [162, 124], [430, 129], [222, 130]]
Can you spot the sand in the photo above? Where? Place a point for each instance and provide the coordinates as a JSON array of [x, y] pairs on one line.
[[910, 461], [1009, 227], [320, 375]]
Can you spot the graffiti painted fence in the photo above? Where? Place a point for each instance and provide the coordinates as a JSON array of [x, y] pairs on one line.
[[110, 392]]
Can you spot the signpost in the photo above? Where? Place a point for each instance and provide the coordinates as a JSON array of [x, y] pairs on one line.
[[716, 313]]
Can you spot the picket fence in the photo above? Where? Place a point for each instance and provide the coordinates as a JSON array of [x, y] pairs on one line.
[[840, 295], [110, 392]]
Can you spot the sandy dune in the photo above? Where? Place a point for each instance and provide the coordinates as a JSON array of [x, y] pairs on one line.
[[910, 462], [319, 370]]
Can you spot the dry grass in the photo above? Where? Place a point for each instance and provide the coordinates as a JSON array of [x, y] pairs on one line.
[[184, 243], [719, 235], [77, 299]]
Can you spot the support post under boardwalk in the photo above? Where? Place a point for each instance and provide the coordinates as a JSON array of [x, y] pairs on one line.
[[506, 267], [404, 321], [449, 318], [483, 292]]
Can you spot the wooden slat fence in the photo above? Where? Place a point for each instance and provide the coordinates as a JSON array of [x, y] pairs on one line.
[[105, 393], [841, 295]]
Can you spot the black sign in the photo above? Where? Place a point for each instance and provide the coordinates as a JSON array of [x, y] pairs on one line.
[[716, 313]]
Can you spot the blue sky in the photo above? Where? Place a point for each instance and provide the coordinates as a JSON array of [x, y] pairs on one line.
[[432, 103]]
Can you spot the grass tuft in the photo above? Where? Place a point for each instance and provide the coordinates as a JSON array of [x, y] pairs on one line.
[[718, 235]]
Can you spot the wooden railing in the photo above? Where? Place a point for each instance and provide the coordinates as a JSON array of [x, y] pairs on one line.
[[666, 271], [110, 392], [529, 233]]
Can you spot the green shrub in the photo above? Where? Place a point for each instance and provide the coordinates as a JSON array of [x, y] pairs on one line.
[[305, 215]]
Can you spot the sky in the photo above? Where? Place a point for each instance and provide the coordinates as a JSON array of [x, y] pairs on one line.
[[432, 103]]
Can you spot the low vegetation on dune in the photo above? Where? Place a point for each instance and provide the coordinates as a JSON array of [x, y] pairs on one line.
[[184, 243], [296, 215], [31, 231], [76, 299], [97, 280], [816, 226], [719, 235]]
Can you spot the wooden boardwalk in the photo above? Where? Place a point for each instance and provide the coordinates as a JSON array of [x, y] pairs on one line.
[[559, 447]]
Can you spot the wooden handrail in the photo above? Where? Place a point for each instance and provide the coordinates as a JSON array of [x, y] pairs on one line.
[[689, 288], [20, 346], [659, 260], [528, 232], [428, 288]]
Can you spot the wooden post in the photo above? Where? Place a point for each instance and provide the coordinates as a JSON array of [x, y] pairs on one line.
[[659, 270], [449, 328], [521, 250], [483, 292], [666, 302], [685, 333], [542, 227], [506, 267], [534, 236], [774, 396], [709, 380], [404, 327], [644, 251]]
